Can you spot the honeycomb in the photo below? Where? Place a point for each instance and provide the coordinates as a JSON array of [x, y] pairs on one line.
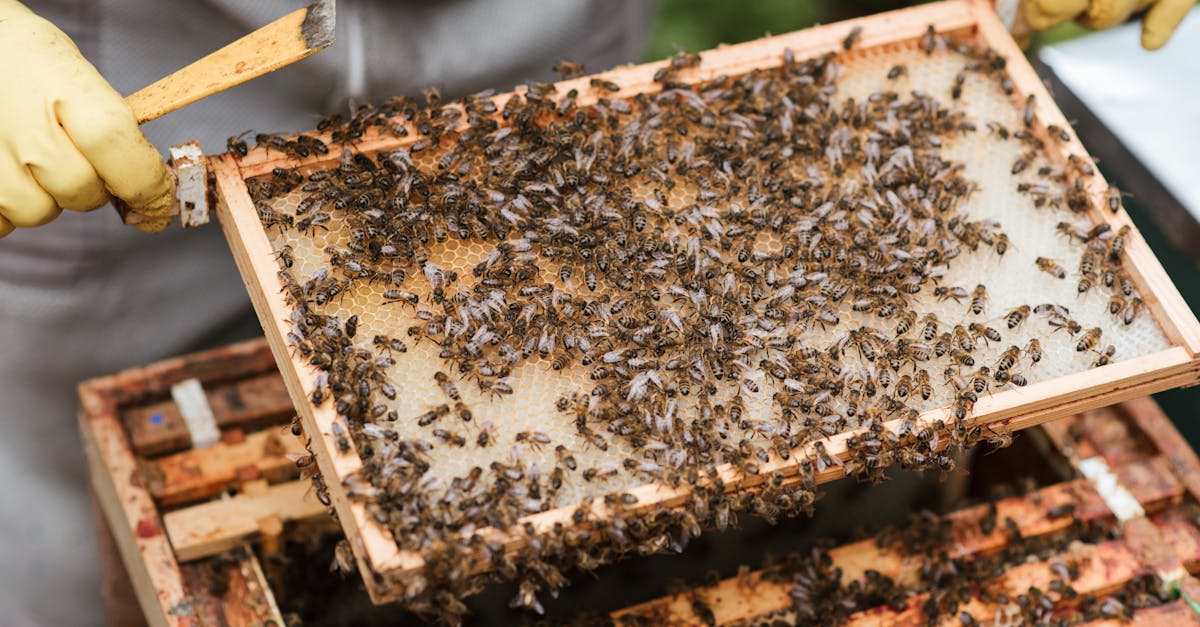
[[537, 383]]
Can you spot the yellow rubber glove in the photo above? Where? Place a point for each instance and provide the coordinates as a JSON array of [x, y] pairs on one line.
[[1158, 24], [67, 138]]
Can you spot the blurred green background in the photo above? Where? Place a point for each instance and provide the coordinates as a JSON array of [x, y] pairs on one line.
[[702, 24]]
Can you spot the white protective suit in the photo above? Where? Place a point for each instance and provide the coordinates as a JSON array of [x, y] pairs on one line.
[[86, 296]]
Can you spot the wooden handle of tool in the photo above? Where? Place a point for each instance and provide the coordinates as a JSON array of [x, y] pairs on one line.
[[286, 40]]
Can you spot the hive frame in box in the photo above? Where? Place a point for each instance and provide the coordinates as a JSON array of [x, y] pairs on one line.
[[136, 481], [1138, 444], [380, 559]]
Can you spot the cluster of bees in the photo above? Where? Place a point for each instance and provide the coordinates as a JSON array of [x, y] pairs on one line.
[[745, 241], [943, 585]]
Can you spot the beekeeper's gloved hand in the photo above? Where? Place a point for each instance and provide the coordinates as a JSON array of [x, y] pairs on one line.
[[1160, 21], [67, 138]]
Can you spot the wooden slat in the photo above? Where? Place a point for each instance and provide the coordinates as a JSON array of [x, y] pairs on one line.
[[877, 30], [215, 526], [1112, 435], [1173, 613], [158, 428], [153, 382], [231, 591], [373, 546], [130, 511], [1059, 432], [1031, 513], [1103, 568], [196, 474], [1157, 427], [1010, 410]]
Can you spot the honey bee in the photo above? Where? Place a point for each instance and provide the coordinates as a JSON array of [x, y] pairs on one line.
[[929, 40], [997, 439], [270, 141], [1081, 165], [432, 415], [1115, 304], [1058, 133], [963, 339], [400, 296], [285, 256], [433, 97], [922, 385], [1088, 339], [1017, 316], [1105, 357], [1022, 162], [1028, 112], [487, 435], [1008, 358], [897, 71], [495, 388], [962, 357], [1132, 310], [1051, 267], [1125, 283], [929, 327], [1034, 350], [1065, 323], [568, 69], [823, 458], [237, 143], [908, 317], [1113, 196], [904, 386], [852, 38], [605, 85], [448, 387], [984, 331], [454, 439], [979, 299], [1118, 243], [535, 438], [1086, 281], [1002, 244], [946, 293]]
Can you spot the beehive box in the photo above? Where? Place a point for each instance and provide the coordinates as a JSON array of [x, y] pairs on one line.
[[183, 519], [1075, 552], [284, 266], [142, 495]]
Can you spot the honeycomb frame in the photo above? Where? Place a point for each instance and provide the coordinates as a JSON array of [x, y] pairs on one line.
[[385, 566]]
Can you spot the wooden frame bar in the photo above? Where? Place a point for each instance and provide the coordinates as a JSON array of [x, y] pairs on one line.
[[382, 562]]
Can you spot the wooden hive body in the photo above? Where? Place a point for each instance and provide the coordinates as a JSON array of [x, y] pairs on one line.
[[161, 499]]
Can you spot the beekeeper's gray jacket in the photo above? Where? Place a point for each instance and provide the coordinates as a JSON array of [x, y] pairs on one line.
[[87, 296]]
